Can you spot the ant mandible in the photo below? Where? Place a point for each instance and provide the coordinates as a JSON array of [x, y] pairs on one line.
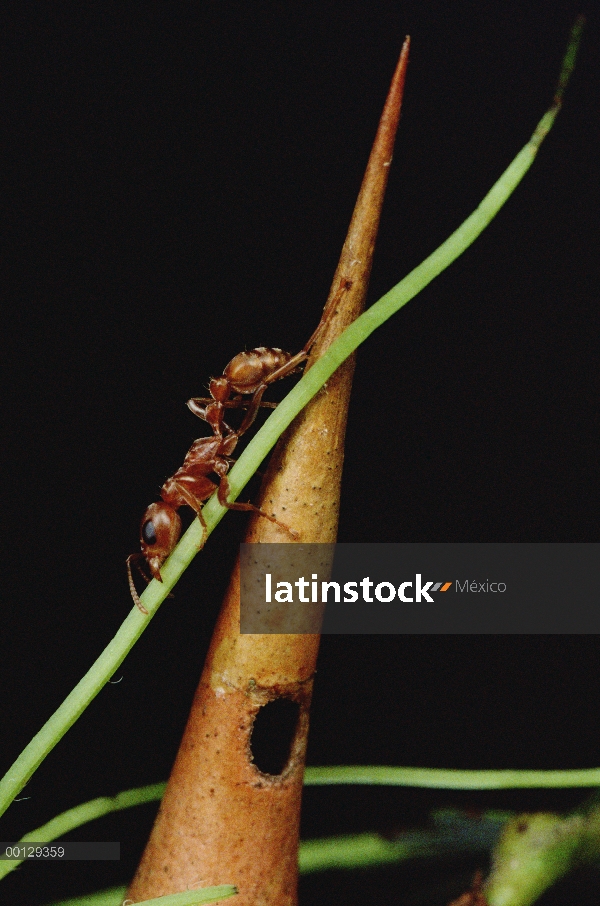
[[160, 527]]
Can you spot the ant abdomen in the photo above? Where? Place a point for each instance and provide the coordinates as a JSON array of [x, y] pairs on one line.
[[247, 370]]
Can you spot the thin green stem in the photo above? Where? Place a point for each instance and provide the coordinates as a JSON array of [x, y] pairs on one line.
[[348, 775], [451, 832], [62, 824], [536, 851], [450, 779], [114, 897], [73, 706], [547, 845], [192, 897], [111, 658]]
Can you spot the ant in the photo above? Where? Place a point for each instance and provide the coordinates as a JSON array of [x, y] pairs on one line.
[[248, 372], [160, 528], [252, 372]]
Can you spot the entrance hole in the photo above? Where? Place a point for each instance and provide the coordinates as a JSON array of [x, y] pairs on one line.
[[272, 735]]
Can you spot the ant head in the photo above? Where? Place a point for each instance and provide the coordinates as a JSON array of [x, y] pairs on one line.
[[219, 389], [159, 533]]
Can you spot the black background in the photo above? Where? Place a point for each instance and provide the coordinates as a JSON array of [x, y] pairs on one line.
[[177, 180]]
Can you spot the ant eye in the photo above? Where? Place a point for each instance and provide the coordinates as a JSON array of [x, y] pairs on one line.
[[148, 532]]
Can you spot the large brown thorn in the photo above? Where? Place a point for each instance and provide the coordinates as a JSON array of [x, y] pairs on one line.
[[222, 819]]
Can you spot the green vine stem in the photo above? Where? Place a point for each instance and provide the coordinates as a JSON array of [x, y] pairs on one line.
[[535, 851], [114, 897], [191, 897], [73, 818], [348, 775], [258, 448], [530, 852], [451, 833], [348, 851], [451, 779]]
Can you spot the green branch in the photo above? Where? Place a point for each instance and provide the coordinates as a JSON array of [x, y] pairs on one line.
[[535, 851], [57, 828], [114, 897], [450, 779], [451, 833], [530, 852], [112, 657], [348, 775]]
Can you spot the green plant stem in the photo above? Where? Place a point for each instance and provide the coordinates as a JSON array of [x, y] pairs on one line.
[[62, 824], [114, 897], [452, 833], [529, 852], [73, 706], [192, 897], [535, 851], [111, 658], [349, 775], [450, 779]]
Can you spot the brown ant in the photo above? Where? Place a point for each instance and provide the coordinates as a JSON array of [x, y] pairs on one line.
[[160, 528], [251, 372], [248, 372], [238, 377]]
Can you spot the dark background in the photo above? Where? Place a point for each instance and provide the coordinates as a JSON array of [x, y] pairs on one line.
[[176, 184]]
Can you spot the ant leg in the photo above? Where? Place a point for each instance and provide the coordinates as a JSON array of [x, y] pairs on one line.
[[238, 402], [197, 508], [200, 406], [223, 493], [212, 413], [253, 407], [256, 402]]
